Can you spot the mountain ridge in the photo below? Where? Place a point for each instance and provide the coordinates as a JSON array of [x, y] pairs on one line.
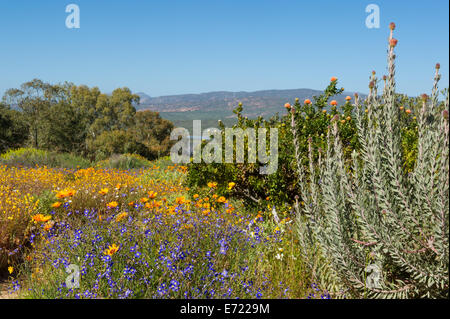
[[212, 106]]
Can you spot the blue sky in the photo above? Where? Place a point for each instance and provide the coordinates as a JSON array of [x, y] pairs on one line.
[[191, 46]]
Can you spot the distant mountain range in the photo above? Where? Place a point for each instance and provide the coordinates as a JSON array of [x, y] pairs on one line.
[[213, 106]]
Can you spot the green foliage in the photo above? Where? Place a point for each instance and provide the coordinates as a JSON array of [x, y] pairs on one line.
[[14, 131], [116, 142], [78, 119], [281, 187], [371, 210], [125, 162], [154, 132], [30, 157]]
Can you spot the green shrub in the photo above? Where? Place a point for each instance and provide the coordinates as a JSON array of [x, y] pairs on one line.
[[124, 161], [14, 131], [117, 142], [31, 157], [280, 188], [369, 212]]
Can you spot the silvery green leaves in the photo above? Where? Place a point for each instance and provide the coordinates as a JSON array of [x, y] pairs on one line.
[[367, 210]]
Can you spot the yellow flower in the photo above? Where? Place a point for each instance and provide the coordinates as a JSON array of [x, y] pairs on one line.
[[112, 205], [144, 200], [121, 216], [10, 269], [112, 250], [212, 184], [152, 194], [231, 185], [103, 191]]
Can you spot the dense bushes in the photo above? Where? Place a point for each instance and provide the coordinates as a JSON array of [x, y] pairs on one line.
[[13, 131], [311, 120], [81, 120], [280, 188]]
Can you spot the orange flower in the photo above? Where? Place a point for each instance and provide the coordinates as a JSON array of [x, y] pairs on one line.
[[48, 226], [70, 192], [334, 103], [287, 105], [408, 111], [144, 200], [56, 204], [333, 79], [393, 42], [348, 118], [401, 108], [153, 204], [343, 121], [130, 203], [221, 199], [180, 200], [38, 218], [307, 101], [65, 193], [348, 98], [60, 195], [112, 205], [195, 196]]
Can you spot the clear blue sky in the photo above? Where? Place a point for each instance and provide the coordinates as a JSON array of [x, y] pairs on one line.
[[191, 46]]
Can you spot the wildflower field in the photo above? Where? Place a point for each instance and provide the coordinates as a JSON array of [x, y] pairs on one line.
[[138, 234], [357, 208]]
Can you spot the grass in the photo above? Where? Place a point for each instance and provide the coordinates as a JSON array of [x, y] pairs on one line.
[[30, 157]]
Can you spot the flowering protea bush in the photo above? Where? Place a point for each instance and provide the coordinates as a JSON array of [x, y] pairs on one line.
[[368, 212]]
